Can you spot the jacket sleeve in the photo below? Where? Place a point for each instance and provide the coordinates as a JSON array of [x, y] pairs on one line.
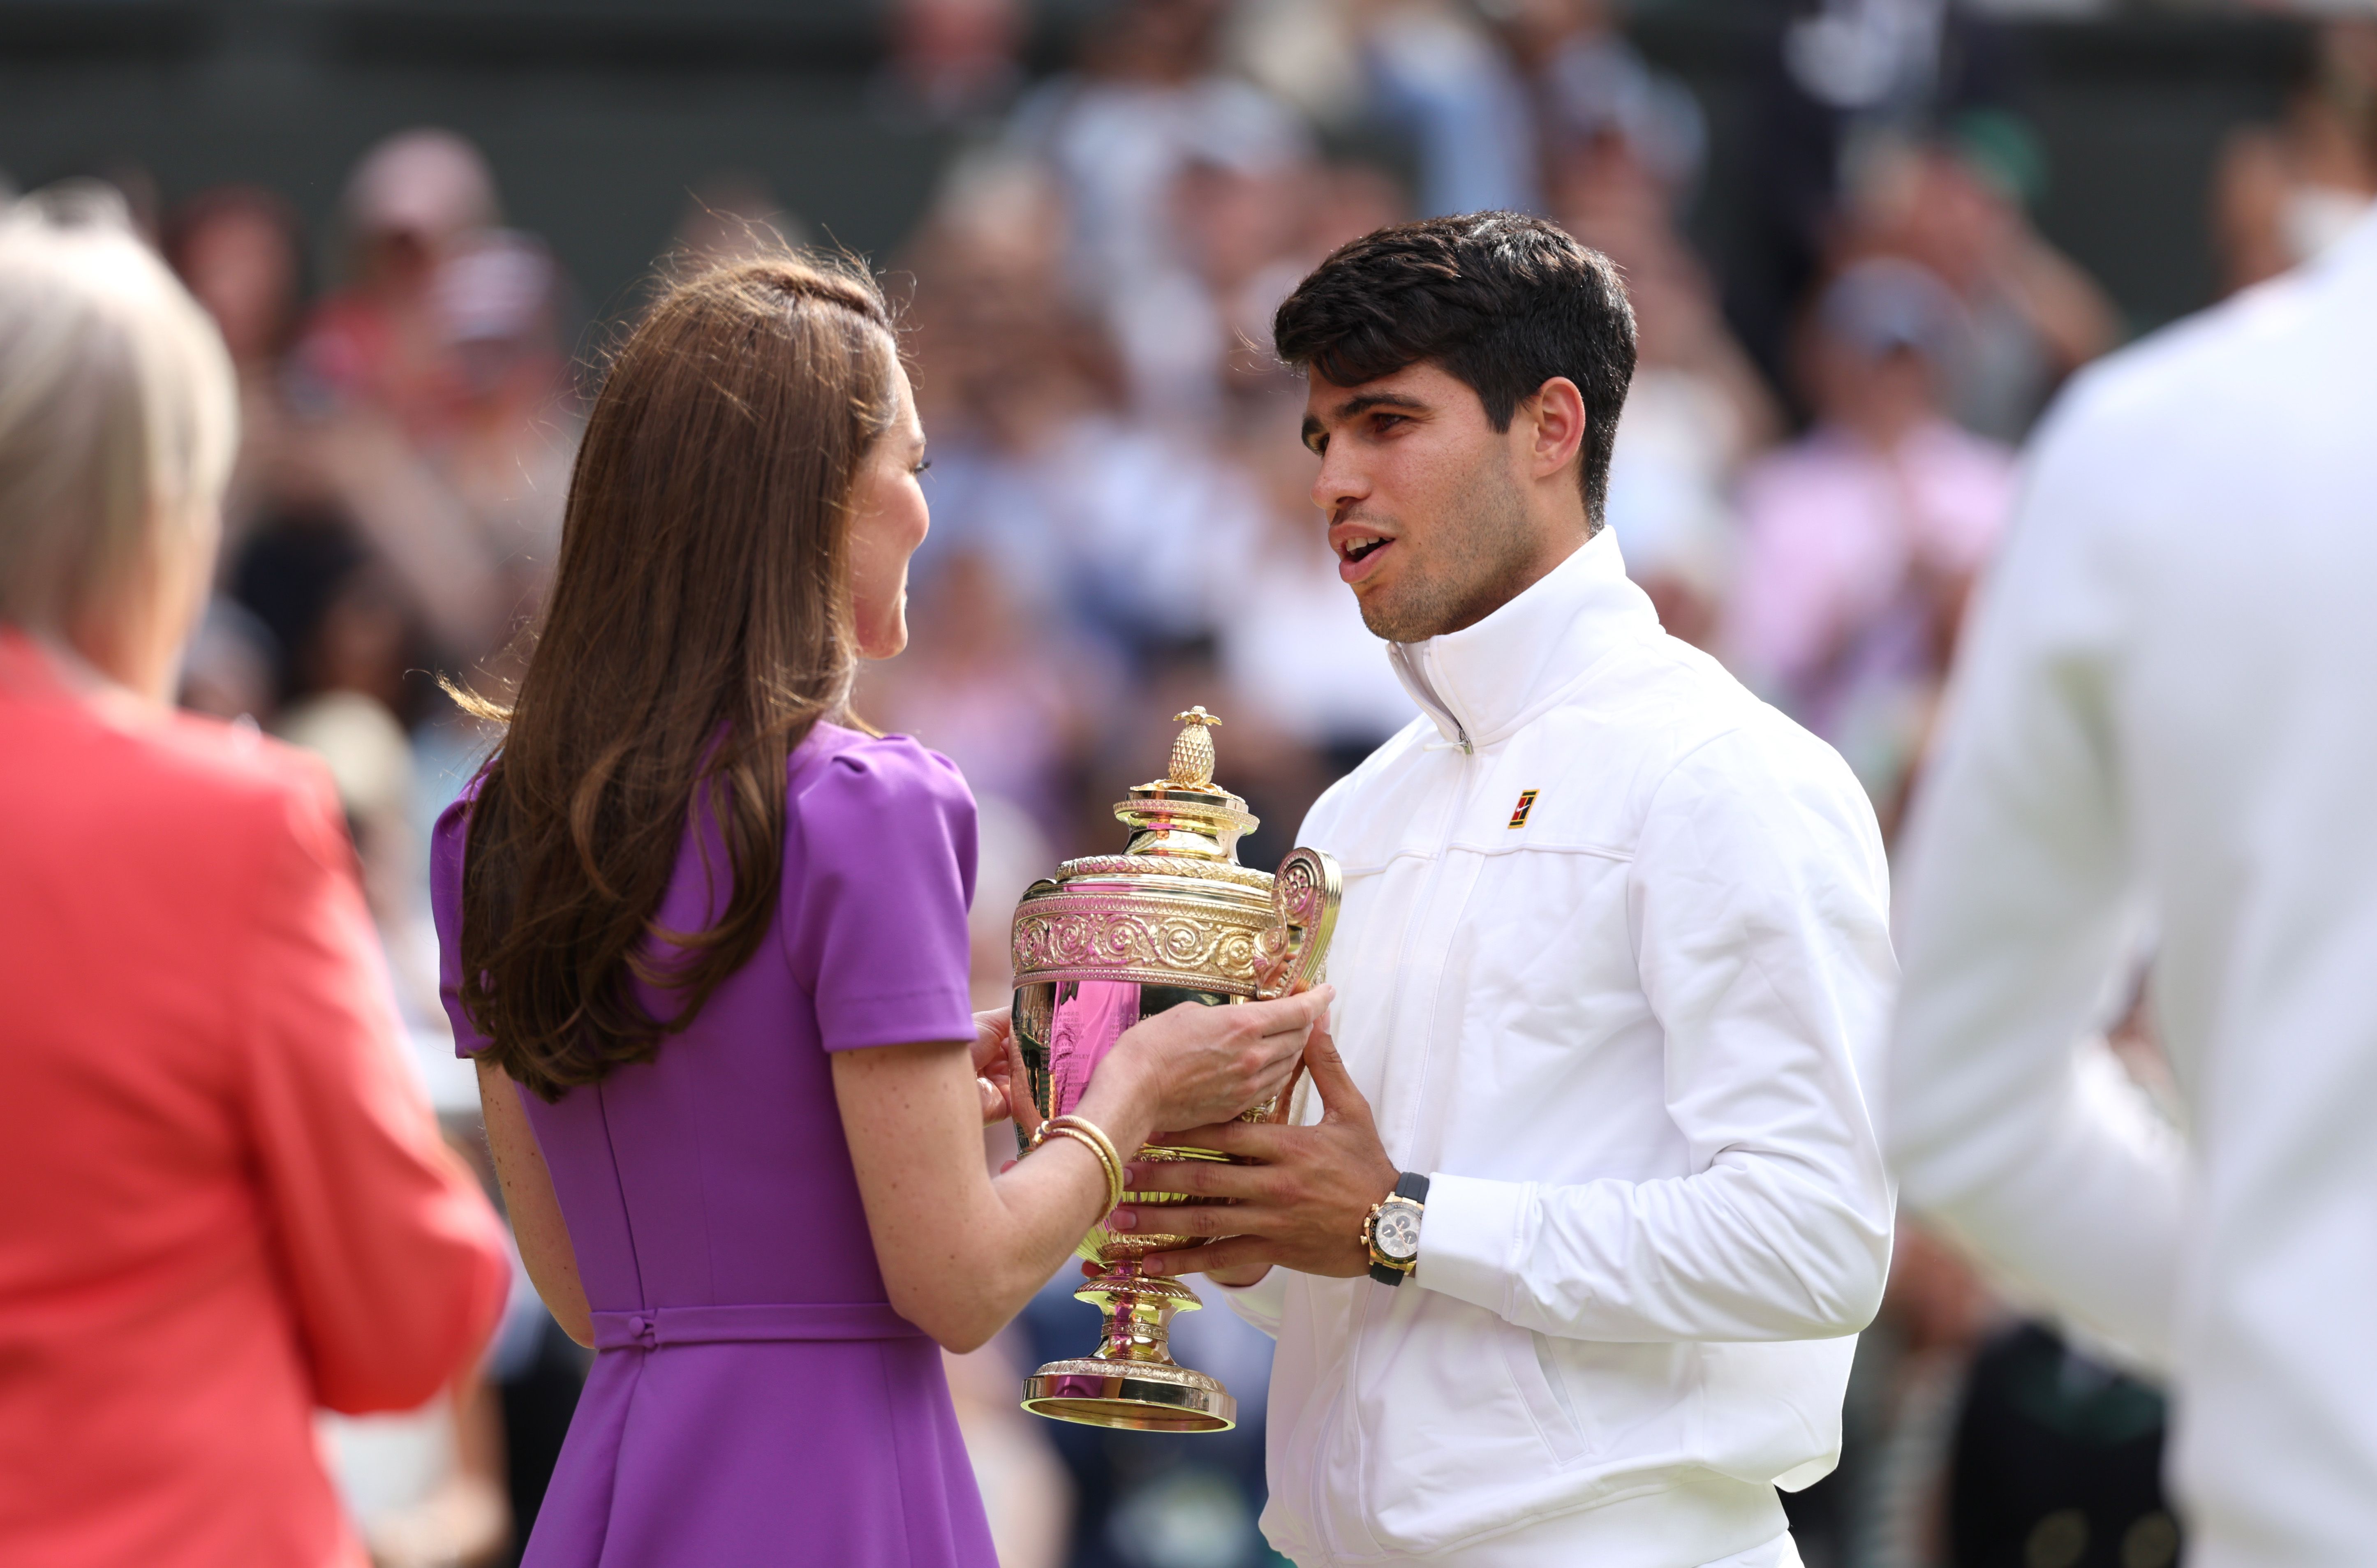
[[394, 1264], [2007, 1120], [1758, 904], [1264, 1303]]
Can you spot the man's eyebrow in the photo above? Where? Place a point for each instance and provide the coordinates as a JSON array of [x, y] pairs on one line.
[[1363, 403]]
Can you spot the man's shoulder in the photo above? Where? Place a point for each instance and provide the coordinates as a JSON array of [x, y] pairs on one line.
[[2207, 365], [1671, 709], [1653, 724]]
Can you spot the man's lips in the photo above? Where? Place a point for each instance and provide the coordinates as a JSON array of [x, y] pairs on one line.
[[1359, 553]]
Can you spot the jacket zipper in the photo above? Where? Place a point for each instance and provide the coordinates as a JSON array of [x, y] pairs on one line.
[[1372, 1302]]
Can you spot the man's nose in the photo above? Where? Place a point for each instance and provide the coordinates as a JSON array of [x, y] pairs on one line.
[[1338, 482]]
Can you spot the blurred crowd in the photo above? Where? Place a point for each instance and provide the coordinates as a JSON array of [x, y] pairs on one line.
[[1121, 528]]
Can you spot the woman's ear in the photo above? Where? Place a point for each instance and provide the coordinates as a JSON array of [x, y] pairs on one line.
[[1557, 416]]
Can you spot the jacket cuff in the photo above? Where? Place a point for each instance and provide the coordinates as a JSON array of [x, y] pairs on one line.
[[1469, 1238], [1264, 1303]]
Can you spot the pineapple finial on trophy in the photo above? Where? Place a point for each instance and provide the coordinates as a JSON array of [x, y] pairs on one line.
[[1192, 750]]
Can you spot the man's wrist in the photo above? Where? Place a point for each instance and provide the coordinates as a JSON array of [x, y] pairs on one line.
[[1470, 1247]]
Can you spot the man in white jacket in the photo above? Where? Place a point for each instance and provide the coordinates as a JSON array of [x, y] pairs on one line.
[[2164, 745], [1566, 1255]]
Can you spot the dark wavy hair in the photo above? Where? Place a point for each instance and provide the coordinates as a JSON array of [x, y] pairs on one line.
[[699, 626], [1502, 300]]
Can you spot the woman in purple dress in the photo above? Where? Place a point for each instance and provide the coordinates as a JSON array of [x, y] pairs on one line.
[[707, 945]]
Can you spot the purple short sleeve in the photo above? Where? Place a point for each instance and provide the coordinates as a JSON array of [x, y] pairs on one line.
[[878, 873], [446, 847]]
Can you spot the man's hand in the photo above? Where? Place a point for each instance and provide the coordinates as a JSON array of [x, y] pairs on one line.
[[1302, 1206]]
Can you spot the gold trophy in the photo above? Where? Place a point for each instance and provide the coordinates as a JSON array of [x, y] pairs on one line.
[[1118, 938]]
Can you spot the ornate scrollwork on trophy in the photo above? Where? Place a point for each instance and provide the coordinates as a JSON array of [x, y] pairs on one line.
[[1138, 936]]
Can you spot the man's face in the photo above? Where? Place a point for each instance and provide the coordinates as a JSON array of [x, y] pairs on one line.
[[1423, 499]]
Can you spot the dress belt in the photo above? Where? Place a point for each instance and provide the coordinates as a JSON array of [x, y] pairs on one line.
[[648, 1328]]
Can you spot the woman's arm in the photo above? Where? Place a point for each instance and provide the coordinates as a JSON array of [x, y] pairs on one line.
[[961, 1251], [529, 1202], [392, 1261]]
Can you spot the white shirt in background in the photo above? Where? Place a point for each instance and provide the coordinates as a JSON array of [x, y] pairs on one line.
[[2164, 739]]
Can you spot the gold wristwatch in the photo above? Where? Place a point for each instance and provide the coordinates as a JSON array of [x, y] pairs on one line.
[[1391, 1231]]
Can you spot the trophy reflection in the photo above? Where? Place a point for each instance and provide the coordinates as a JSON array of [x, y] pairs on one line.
[[1116, 938]]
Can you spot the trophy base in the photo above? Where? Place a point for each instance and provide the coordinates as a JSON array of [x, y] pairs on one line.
[[1131, 1395]]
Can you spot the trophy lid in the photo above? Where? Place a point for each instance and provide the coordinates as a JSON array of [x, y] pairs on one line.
[[1185, 815]]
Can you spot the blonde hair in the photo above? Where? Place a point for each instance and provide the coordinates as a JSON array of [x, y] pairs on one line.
[[119, 413]]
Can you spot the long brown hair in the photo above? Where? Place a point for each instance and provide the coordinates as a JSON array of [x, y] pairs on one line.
[[699, 626]]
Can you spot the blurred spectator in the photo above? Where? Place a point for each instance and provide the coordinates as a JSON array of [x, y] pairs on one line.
[[230, 669], [1301, 668], [1861, 538], [1698, 408], [240, 251], [376, 342], [425, 1489], [1145, 102], [2282, 195], [466, 510], [1446, 85], [1591, 88], [1080, 508], [1202, 321], [245, 1209], [1957, 208], [996, 694], [955, 60]]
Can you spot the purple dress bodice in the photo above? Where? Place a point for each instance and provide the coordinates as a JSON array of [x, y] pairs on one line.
[[753, 1388]]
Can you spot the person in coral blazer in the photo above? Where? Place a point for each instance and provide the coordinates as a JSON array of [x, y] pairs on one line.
[[223, 1201]]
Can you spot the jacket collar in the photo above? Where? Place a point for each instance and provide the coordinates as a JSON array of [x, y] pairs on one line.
[[1481, 683]]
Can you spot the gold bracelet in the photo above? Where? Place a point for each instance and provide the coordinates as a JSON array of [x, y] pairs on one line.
[[1090, 1136]]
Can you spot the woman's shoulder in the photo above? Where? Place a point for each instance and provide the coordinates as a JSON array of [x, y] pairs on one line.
[[844, 778], [227, 776]]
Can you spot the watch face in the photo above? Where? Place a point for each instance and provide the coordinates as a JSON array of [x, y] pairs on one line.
[[1397, 1233]]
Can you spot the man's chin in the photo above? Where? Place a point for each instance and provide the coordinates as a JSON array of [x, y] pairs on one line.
[[1390, 622]]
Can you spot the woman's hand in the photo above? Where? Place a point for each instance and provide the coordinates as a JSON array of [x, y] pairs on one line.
[[998, 1065], [1193, 1065]]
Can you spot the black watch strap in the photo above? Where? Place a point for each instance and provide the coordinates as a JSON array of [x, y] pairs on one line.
[[1413, 1185]]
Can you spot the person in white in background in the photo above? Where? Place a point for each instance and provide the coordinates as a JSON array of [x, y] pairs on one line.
[[2162, 737], [1613, 939]]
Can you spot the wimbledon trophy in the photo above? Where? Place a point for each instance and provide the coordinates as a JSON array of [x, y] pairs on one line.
[[1118, 938]]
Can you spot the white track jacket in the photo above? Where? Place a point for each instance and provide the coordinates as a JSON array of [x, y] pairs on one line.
[[1615, 940]]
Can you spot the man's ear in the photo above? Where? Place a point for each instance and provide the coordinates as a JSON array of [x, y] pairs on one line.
[[1556, 420]]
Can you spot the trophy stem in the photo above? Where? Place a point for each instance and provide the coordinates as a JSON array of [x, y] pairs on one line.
[[1132, 1382]]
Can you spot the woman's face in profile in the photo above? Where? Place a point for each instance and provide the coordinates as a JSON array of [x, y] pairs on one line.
[[888, 522]]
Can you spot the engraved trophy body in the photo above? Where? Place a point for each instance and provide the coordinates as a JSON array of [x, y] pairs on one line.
[[1113, 938]]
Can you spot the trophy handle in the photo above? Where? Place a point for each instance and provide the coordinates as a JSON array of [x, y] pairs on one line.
[[1293, 954]]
